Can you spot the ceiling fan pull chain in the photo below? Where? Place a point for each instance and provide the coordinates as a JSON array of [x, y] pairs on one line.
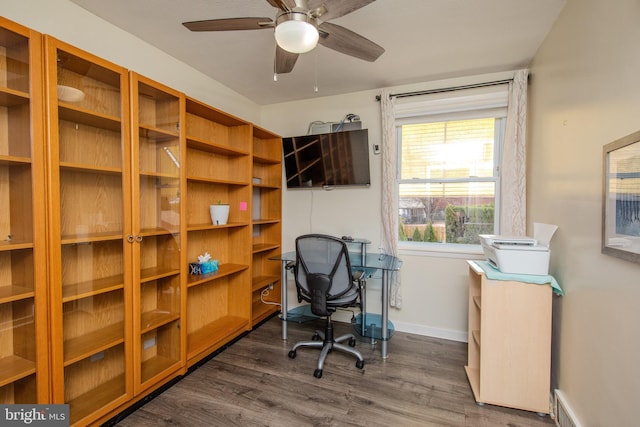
[[275, 66], [315, 83]]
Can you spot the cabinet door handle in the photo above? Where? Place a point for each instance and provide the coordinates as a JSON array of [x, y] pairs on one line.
[[138, 238], [130, 238]]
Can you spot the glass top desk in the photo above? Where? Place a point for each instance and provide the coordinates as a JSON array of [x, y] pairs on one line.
[[370, 263]]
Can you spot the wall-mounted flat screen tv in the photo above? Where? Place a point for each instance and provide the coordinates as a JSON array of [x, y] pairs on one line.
[[327, 160]]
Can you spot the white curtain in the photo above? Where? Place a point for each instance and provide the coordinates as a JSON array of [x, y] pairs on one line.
[[389, 202], [513, 221], [513, 159]]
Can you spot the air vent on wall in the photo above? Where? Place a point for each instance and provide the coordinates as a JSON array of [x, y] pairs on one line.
[[565, 417]]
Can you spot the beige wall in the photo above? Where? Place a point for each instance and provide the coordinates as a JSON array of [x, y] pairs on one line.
[[584, 93]]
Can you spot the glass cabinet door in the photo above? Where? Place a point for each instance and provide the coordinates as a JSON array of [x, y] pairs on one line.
[[89, 217], [23, 317], [157, 156]]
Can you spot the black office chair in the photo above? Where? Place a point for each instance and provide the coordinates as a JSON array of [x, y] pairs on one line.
[[324, 278]]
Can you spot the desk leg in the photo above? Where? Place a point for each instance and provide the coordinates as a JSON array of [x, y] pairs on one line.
[[283, 300], [385, 315], [363, 308]]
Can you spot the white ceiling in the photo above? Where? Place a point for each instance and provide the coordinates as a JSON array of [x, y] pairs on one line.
[[424, 40]]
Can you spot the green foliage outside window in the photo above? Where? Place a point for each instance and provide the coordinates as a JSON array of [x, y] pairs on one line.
[[417, 237], [402, 236], [464, 223], [430, 233]]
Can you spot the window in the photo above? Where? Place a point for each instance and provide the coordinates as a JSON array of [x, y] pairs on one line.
[[448, 184]]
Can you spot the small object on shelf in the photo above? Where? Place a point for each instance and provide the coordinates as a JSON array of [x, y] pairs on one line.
[[204, 257], [204, 265], [209, 266], [69, 94], [219, 213], [520, 255], [194, 268], [347, 238]]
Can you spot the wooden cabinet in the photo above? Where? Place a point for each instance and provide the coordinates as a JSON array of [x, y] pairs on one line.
[[23, 291], [267, 223], [89, 219], [509, 360], [106, 179], [159, 264], [218, 170]]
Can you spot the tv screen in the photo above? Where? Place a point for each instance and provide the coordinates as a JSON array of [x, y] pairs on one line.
[[327, 160]]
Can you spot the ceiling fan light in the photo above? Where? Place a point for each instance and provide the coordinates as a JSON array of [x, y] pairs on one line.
[[294, 33]]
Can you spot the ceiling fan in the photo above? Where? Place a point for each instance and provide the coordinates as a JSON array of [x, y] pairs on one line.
[[299, 26]]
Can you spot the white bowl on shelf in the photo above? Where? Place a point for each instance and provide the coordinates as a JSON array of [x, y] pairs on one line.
[[69, 94]]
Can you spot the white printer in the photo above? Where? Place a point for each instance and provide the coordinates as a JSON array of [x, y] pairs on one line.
[[520, 255]]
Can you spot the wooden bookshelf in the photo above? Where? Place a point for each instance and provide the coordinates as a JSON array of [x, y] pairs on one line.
[[266, 223], [217, 168], [24, 368]]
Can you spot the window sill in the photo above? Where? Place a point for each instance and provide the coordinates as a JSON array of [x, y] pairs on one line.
[[440, 250]]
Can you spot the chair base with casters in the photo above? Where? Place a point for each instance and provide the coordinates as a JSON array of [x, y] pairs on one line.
[[327, 345]]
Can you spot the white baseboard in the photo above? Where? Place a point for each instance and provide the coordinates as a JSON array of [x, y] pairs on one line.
[[412, 328], [428, 331]]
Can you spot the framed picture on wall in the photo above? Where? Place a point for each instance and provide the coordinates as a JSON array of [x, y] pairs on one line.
[[621, 198]]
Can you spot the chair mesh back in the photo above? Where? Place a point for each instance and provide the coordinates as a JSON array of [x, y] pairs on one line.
[[326, 255]]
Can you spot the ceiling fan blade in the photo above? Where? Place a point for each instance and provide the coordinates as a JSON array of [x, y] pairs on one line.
[[285, 5], [346, 41], [336, 8], [285, 61], [230, 24]]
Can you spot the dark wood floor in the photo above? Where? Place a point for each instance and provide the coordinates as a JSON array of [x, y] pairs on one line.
[[254, 383]]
